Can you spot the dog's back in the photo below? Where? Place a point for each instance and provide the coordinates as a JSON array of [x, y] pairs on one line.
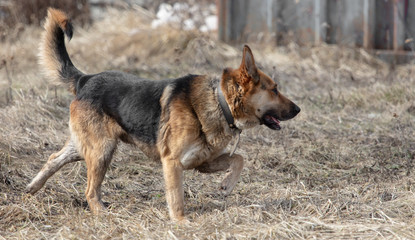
[[129, 100], [134, 103]]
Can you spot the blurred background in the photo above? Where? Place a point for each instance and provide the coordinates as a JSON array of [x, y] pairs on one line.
[[386, 24], [371, 24]]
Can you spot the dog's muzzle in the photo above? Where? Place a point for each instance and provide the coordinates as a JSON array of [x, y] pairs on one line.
[[271, 121]]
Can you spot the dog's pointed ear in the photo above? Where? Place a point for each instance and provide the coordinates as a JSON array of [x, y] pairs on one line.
[[248, 64]]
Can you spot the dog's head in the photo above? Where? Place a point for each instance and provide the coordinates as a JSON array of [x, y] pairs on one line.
[[254, 97]]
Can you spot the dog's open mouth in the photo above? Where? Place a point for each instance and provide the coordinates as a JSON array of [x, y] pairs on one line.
[[271, 122]]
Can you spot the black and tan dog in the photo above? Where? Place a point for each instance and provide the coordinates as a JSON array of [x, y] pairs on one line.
[[187, 122]]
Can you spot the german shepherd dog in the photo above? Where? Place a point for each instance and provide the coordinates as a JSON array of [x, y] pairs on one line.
[[186, 123]]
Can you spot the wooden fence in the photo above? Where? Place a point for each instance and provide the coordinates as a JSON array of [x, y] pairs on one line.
[[372, 24]]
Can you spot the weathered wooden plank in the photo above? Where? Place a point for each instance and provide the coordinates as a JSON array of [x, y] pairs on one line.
[[410, 26]]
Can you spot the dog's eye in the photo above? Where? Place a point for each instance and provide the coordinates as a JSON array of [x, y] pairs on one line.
[[275, 90]]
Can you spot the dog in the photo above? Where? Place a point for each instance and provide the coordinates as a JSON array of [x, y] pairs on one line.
[[186, 123]]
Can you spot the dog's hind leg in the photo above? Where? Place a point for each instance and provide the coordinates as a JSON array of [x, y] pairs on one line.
[[233, 166], [97, 136], [97, 160], [68, 154]]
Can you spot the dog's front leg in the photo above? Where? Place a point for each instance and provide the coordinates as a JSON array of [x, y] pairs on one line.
[[173, 177], [233, 166]]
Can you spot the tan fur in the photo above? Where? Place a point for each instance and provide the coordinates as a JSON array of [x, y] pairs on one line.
[[97, 136], [204, 101], [249, 100], [50, 65], [182, 147], [233, 165]]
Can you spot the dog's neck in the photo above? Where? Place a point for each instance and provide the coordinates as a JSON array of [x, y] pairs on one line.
[[225, 108], [206, 106], [228, 116]]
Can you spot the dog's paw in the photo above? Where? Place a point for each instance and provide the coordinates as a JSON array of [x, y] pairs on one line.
[[224, 190], [32, 188], [181, 221], [226, 186]]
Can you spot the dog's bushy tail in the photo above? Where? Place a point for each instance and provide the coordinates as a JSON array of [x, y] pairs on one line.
[[53, 56]]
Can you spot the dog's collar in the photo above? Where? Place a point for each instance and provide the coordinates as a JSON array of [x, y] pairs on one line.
[[229, 118], [225, 108]]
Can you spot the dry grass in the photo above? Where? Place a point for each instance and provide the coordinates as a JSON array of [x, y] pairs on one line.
[[343, 169]]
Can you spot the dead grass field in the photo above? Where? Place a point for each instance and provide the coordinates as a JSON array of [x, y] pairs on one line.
[[343, 169]]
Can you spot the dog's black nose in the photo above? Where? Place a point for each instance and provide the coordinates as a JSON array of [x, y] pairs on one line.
[[297, 109]]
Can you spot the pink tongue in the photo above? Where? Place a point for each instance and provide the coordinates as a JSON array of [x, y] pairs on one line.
[[275, 120]]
